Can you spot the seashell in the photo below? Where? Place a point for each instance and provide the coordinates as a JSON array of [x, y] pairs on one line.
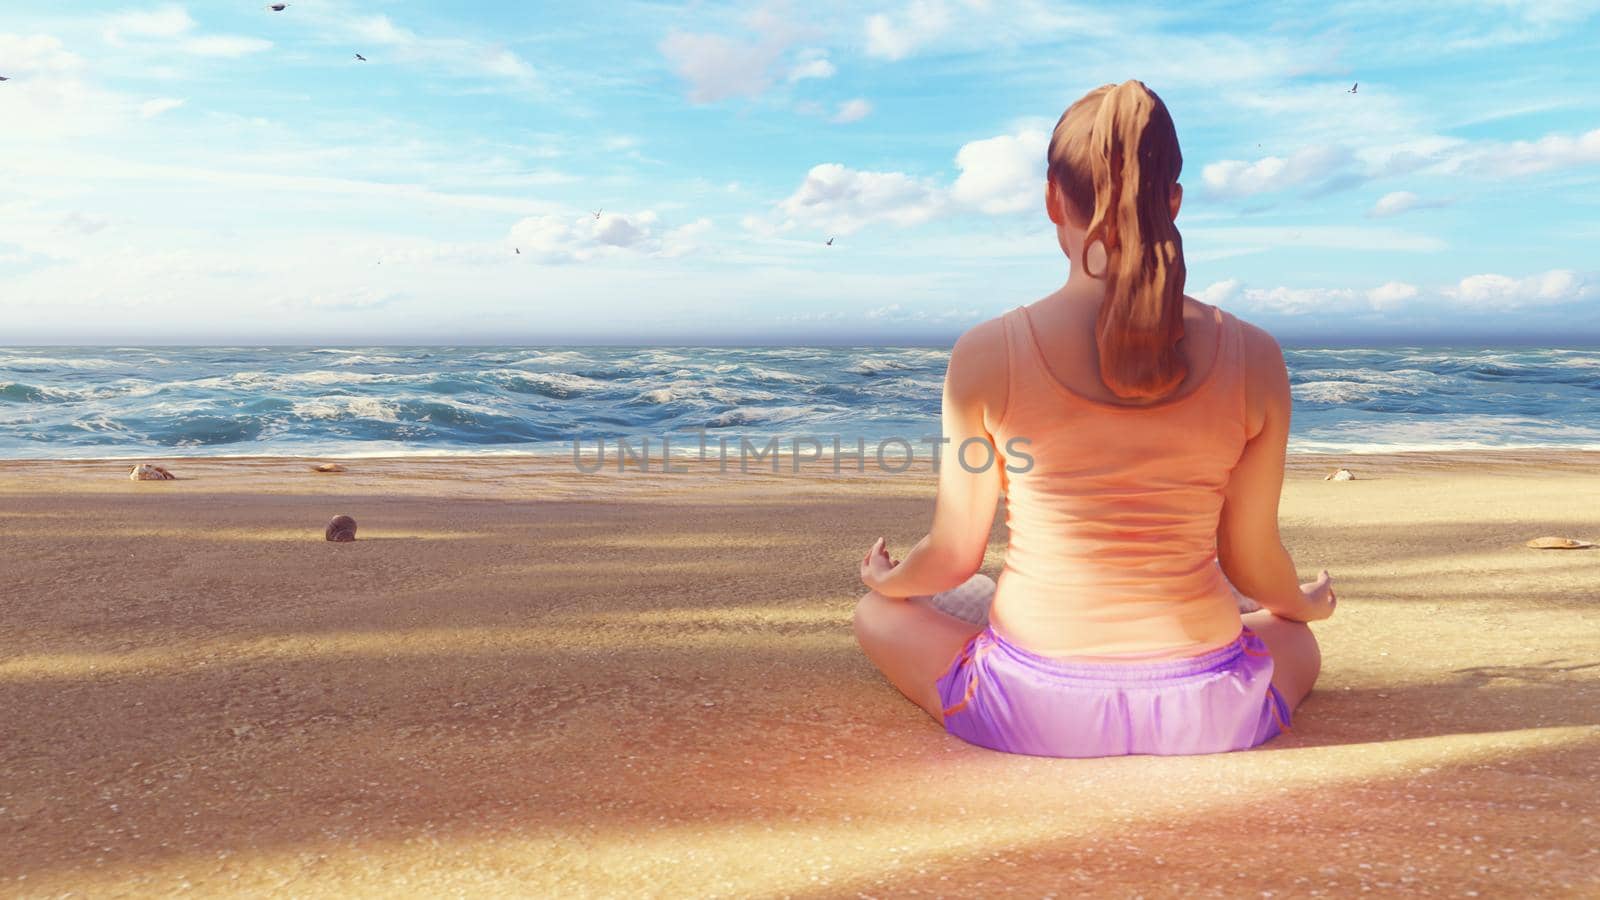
[[341, 529], [328, 467], [1340, 475], [148, 472], [1558, 543]]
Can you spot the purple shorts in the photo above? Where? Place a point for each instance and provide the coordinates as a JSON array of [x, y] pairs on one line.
[[998, 695]]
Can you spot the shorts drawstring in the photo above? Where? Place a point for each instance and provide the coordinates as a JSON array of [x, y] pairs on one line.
[[1249, 636], [975, 653], [1276, 697], [1277, 701]]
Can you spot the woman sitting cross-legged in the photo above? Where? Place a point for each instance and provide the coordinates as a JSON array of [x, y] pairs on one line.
[[1138, 436]]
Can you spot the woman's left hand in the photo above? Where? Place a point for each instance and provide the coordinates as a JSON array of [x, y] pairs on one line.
[[876, 565]]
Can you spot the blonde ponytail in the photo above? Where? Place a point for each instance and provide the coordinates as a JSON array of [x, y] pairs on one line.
[[1115, 156]]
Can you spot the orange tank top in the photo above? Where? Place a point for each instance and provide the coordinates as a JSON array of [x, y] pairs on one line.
[[1114, 527]]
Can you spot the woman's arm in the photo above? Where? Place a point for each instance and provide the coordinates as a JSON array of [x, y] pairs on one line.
[[974, 396], [1249, 547]]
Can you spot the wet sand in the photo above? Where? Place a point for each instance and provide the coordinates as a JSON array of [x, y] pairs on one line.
[[524, 680]]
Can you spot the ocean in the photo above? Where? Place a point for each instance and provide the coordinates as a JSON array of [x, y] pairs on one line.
[[350, 401]]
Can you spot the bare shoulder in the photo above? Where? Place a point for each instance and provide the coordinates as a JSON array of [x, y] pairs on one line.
[[978, 373], [1262, 355], [1266, 378], [983, 342]]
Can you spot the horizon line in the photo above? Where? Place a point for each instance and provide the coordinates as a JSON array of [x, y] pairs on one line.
[[1352, 342]]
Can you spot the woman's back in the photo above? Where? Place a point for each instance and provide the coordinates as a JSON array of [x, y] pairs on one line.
[[1113, 527], [1144, 436]]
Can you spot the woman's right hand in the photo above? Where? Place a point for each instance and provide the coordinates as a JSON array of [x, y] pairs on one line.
[[1320, 599]]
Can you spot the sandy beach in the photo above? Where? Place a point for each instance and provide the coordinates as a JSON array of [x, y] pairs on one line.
[[525, 680]]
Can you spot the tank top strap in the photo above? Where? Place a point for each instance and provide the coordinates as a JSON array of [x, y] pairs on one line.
[[1233, 346], [1022, 366]]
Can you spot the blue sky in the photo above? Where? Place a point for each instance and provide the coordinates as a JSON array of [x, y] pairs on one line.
[[218, 172]]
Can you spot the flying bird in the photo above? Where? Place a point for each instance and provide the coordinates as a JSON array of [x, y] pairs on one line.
[[277, 7], [1353, 88], [830, 242], [598, 212], [4, 78], [519, 250], [360, 57]]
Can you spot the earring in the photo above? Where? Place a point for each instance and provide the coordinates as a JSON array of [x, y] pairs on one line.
[[1088, 255]]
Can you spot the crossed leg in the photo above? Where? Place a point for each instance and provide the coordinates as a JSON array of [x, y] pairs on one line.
[[1296, 658], [912, 644]]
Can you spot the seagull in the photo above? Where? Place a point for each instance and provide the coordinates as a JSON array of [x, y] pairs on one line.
[[830, 242], [1353, 88], [277, 7], [598, 212], [360, 57]]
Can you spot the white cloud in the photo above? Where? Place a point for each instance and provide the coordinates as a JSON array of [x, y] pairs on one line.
[[1219, 292], [1499, 292], [1331, 165], [718, 67], [895, 312], [895, 36], [623, 231], [152, 108], [170, 27], [999, 175], [558, 240], [812, 64], [1475, 293], [852, 111], [507, 64], [1393, 204], [1297, 301], [1391, 294], [36, 54], [684, 239], [1397, 202], [1002, 174], [843, 200], [1235, 178], [457, 56], [47, 99], [382, 30], [1291, 301], [84, 223], [918, 24], [1553, 151]]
